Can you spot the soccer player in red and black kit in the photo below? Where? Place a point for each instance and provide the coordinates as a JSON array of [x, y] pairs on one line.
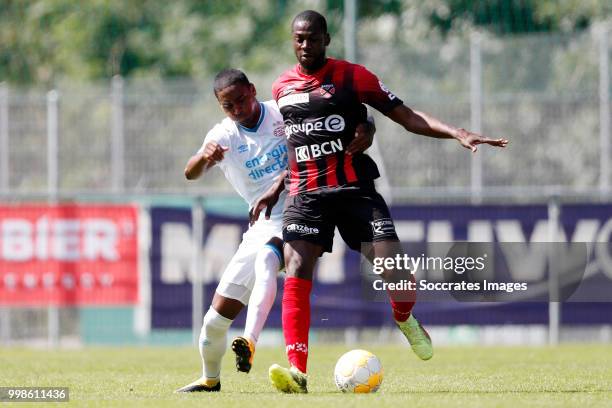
[[320, 99]]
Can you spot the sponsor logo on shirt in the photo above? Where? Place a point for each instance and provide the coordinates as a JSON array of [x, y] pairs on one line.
[[332, 123], [270, 163], [243, 148], [293, 99], [313, 151]]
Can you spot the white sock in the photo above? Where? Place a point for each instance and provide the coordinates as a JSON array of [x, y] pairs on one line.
[[213, 342], [264, 292]]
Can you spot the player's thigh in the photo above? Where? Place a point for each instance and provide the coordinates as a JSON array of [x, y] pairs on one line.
[[269, 233], [306, 217], [364, 219], [301, 258], [239, 275], [226, 307]]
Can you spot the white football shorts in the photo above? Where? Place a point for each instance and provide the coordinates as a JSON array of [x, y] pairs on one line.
[[239, 276]]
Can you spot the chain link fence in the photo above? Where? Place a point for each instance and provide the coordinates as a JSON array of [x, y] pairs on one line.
[[548, 94]]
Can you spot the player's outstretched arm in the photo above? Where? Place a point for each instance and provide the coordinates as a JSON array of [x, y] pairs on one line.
[[212, 154], [268, 200], [423, 124]]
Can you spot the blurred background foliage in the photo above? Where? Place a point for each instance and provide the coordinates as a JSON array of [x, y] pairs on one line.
[[46, 41]]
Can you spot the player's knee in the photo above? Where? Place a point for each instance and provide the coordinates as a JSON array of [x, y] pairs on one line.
[[267, 262], [277, 243], [298, 266], [300, 258], [264, 255], [207, 321], [386, 249], [397, 275]]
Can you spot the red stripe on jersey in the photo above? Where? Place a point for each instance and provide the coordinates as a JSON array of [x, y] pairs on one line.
[[311, 175], [294, 178], [332, 178], [349, 170]]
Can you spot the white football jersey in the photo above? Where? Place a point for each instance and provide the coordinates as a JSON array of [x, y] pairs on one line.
[[256, 157]]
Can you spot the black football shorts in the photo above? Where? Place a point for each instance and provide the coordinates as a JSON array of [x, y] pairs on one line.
[[359, 212]]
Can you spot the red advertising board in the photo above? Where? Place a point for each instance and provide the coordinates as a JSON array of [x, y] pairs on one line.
[[68, 255]]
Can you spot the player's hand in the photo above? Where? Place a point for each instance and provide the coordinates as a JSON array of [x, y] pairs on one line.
[[267, 202], [470, 140], [364, 136], [213, 153]]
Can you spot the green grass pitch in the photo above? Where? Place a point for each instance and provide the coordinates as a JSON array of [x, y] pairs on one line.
[[569, 375]]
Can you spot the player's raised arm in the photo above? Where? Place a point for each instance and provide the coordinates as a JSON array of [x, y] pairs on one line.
[[423, 124], [212, 153]]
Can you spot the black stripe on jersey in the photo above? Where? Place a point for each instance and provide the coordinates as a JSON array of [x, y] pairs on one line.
[[347, 85], [348, 81], [340, 170], [321, 171], [303, 175], [328, 78]]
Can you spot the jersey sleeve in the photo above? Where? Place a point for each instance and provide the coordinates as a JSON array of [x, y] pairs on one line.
[[276, 88], [372, 91], [217, 134]]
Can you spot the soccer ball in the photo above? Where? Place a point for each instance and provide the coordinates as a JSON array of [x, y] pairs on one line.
[[358, 371]]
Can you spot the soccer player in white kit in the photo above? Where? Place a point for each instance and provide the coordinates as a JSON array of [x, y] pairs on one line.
[[250, 148]]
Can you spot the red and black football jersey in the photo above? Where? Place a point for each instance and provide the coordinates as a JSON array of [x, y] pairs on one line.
[[321, 112]]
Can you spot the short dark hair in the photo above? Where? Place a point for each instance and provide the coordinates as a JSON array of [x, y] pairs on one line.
[[313, 17], [229, 77]]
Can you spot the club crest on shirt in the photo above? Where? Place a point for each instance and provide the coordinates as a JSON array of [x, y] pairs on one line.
[[279, 129], [327, 90]]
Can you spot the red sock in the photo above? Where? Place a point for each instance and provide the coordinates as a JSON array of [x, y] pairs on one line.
[[402, 302], [296, 320], [401, 310]]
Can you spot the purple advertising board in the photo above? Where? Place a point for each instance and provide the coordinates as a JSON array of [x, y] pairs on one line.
[[337, 299]]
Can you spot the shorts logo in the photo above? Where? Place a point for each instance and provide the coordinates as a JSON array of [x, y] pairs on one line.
[[382, 226], [302, 229]]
